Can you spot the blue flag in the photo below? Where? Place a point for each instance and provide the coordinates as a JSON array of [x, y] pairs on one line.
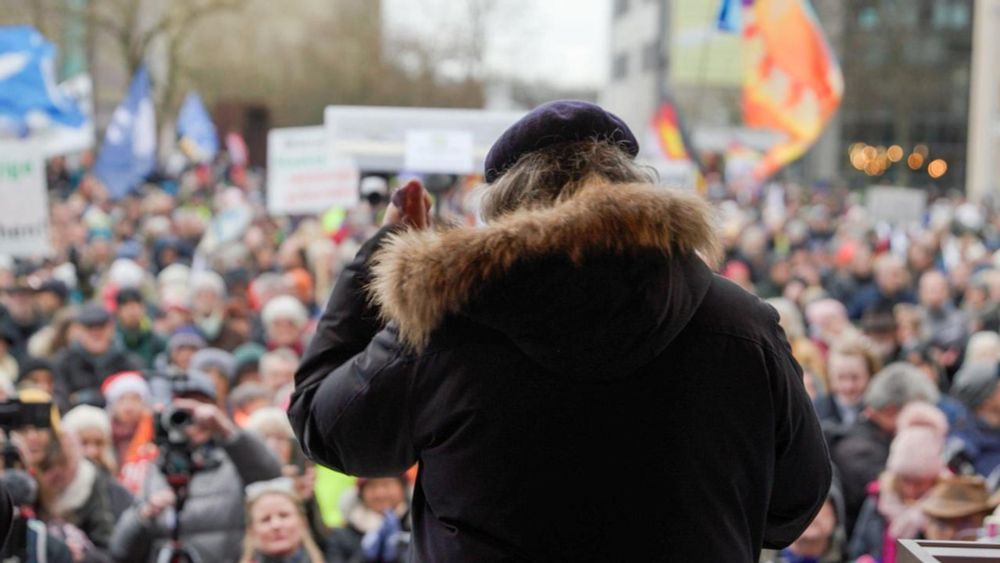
[[29, 96], [198, 137], [730, 16], [128, 154]]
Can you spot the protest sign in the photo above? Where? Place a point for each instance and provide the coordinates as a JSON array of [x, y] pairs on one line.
[[24, 215], [305, 175]]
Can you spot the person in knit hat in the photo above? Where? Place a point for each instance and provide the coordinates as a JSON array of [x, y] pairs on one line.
[[976, 386], [220, 367], [285, 319], [92, 428], [892, 510], [128, 397]]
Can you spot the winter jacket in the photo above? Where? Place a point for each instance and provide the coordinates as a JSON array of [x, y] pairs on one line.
[[144, 344], [79, 375], [860, 455], [527, 357], [981, 444], [213, 519]]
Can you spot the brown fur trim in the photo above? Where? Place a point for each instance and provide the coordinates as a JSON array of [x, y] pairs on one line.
[[420, 277]]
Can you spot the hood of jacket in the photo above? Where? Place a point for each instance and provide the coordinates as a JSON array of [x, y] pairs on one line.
[[593, 287]]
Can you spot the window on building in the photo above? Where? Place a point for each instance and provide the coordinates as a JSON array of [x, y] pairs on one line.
[[651, 56], [621, 6], [619, 66]]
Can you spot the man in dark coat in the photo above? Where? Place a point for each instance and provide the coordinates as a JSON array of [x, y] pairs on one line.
[[577, 340], [89, 360], [861, 452]]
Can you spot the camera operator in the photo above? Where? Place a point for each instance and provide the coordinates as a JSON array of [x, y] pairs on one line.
[[212, 518]]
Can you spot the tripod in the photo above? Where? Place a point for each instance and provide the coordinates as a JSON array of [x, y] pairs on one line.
[[175, 552]]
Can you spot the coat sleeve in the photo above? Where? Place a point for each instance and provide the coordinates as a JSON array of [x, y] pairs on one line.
[[802, 468], [253, 461], [350, 408]]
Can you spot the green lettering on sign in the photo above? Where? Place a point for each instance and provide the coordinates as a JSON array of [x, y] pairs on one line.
[[14, 171]]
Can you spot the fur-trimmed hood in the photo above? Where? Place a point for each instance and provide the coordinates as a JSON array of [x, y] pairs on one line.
[[602, 280]]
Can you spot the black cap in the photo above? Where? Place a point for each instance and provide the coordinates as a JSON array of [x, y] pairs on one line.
[[54, 286], [93, 314], [557, 122], [194, 384], [128, 295]]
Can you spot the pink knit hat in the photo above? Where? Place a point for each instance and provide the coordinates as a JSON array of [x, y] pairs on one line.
[[917, 449], [916, 452]]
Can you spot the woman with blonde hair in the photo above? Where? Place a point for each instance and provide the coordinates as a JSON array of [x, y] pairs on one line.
[[277, 531]]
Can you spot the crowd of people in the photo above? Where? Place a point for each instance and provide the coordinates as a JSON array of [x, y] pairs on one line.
[[187, 296], [165, 329]]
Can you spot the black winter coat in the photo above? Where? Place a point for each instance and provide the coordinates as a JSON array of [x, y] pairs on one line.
[[79, 375], [576, 385]]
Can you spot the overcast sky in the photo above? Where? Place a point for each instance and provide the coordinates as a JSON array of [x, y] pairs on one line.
[[561, 41]]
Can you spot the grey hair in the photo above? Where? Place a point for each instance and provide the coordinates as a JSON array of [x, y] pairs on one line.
[[552, 174], [900, 383]]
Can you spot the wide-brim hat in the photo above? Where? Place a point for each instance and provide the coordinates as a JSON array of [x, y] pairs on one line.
[[958, 497]]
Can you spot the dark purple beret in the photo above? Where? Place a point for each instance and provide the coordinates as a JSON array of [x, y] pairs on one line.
[[557, 122]]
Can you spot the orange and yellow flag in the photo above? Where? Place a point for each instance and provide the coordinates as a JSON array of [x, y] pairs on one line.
[[792, 82], [668, 133]]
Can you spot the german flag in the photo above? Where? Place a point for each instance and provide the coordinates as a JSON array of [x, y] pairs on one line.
[[669, 133]]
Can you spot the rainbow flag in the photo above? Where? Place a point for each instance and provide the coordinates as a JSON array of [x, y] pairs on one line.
[[669, 133], [792, 82]]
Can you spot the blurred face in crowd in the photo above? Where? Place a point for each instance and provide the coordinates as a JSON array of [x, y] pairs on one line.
[[48, 303], [816, 539], [19, 304], [884, 418], [58, 469], [849, 378], [954, 529], [96, 339], [221, 382], [279, 443], [276, 372], [283, 332], [39, 379], [382, 494], [920, 257], [93, 444], [912, 488], [890, 276], [131, 314], [934, 291], [34, 442], [861, 263], [181, 356], [206, 302], [128, 410], [276, 526]]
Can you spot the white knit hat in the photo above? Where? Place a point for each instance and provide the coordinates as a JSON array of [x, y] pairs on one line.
[[87, 417], [285, 307]]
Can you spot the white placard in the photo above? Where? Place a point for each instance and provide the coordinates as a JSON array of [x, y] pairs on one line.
[[24, 213], [896, 205], [305, 175], [439, 151]]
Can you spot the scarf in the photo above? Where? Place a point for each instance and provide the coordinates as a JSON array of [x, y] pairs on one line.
[[903, 520], [77, 492]]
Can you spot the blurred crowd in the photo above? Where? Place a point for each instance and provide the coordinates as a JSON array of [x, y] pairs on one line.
[[895, 327], [188, 296]]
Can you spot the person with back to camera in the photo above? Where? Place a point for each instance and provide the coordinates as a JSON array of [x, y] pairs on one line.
[[578, 333]]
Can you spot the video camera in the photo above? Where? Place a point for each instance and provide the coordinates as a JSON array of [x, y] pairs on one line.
[[15, 414], [179, 458]]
